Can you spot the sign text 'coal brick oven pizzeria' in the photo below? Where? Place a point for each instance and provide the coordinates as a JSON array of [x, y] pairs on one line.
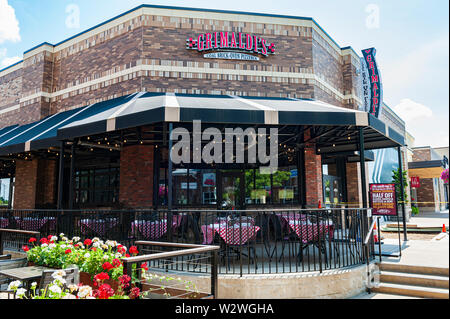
[[231, 45]]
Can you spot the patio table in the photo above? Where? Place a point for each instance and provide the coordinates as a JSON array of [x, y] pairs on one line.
[[308, 232], [4, 222], [237, 234], [154, 229], [98, 226], [35, 224], [25, 274]]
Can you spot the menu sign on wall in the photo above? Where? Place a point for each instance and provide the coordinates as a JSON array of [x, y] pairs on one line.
[[382, 199], [231, 45], [415, 182], [372, 89]]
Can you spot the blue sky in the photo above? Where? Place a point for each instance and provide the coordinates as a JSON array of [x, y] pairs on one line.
[[411, 37]]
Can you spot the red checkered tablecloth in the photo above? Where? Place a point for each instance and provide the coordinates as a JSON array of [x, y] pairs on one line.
[[308, 232], [99, 226], [232, 235], [155, 229], [4, 222], [35, 224]]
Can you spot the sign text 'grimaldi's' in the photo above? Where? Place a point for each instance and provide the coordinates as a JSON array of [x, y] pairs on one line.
[[230, 41]]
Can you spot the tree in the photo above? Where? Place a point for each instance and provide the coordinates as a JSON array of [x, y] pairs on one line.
[[397, 181]]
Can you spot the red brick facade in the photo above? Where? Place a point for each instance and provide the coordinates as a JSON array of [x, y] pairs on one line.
[[136, 176], [35, 183], [145, 50]]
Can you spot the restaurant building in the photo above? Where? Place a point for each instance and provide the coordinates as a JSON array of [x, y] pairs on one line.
[[87, 123], [294, 66]]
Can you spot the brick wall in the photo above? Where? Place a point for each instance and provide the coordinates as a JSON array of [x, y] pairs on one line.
[[425, 194], [354, 193], [147, 52], [313, 175], [25, 184], [35, 184], [136, 176]]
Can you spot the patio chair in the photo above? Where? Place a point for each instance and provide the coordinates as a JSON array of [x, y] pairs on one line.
[[10, 264], [72, 277]]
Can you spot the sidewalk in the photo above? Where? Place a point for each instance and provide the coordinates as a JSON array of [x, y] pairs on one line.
[[433, 252]]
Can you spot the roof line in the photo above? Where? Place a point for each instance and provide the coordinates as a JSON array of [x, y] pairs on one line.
[[191, 9]]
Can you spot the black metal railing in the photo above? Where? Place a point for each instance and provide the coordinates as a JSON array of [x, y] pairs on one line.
[[254, 241], [171, 260]]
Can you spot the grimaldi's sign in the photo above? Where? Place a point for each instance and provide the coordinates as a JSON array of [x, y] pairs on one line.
[[231, 45], [372, 89]]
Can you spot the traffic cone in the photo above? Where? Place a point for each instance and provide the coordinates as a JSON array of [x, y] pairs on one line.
[[320, 204], [443, 228], [375, 236]]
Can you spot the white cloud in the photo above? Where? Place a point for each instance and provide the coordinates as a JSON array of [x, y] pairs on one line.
[[9, 25], [428, 128], [6, 61], [411, 111]]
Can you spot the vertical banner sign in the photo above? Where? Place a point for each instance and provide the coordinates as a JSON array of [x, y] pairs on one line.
[[382, 199], [365, 87], [374, 79], [415, 182]]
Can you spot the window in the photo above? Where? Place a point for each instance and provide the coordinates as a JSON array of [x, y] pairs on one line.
[[96, 187]]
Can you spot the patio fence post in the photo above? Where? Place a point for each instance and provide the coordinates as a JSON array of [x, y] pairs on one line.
[[214, 281], [402, 190], [169, 191]]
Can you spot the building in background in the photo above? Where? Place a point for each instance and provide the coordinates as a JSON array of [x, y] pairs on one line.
[[386, 160], [425, 168]]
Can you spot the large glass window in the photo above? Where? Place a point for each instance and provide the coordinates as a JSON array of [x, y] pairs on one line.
[[194, 186], [96, 187], [285, 185]]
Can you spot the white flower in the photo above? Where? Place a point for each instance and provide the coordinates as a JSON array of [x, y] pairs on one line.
[[76, 239], [84, 291], [96, 244], [55, 289], [65, 239], [111, 243], [59, 273], [63, 246], [54, 238], [21, 292], [72, 287], [34, 284], [14, 285], [51, 246], [69, 296], [87, 255], [95, 239], [106, 257], [61, 235], [44, 245]]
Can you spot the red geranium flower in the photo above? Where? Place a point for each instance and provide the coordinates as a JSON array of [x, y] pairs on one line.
[[144, 266], [32, 240], [135, 293], [25, 248], [124, 281], [116, 262], [68, 251], [44, 241], [49, 237], [127, 255], [104, 292], [101, 276], [88, 242], [133, 250], [107, 266]]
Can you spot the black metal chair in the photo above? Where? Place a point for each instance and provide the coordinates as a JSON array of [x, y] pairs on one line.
[[8, 263]]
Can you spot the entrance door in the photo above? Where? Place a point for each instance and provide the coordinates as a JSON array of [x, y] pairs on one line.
[[231, 189], [332, 190]]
